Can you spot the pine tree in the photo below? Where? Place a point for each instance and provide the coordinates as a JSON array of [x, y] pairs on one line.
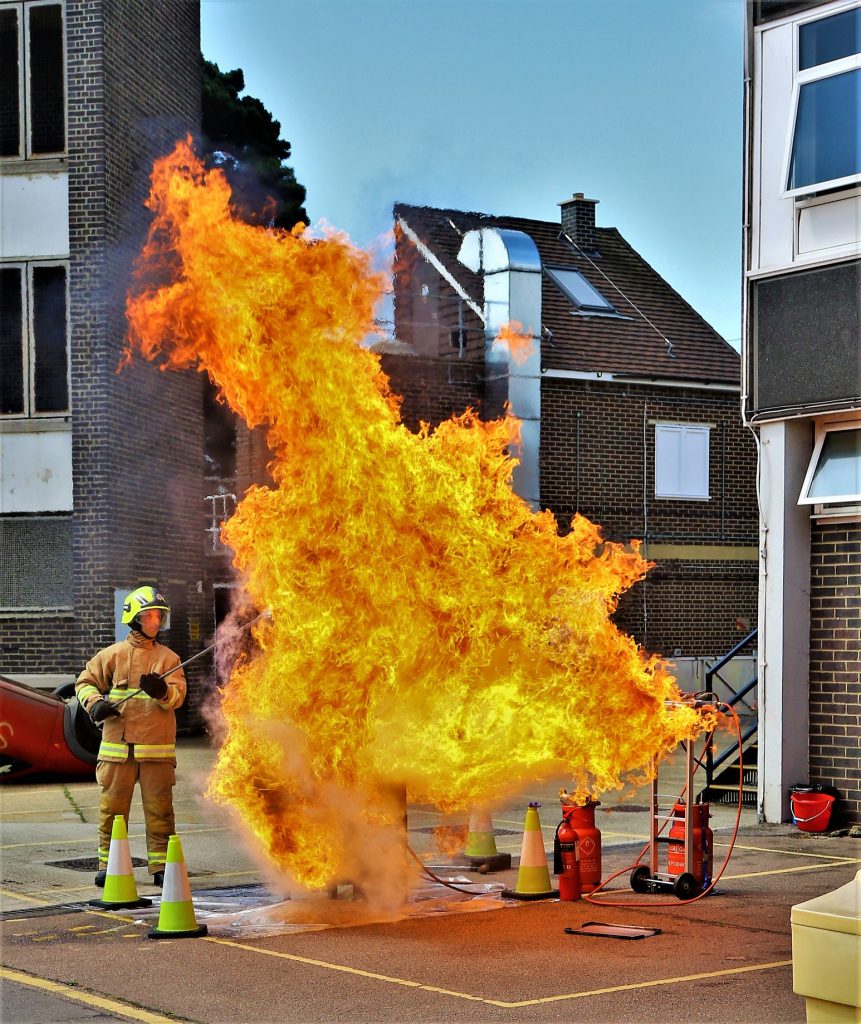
[[244, 139]]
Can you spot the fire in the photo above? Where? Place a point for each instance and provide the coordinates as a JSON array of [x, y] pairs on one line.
[[520, 344], [427, 629]]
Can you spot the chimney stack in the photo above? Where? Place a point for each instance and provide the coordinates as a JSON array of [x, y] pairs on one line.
[[578, 221]]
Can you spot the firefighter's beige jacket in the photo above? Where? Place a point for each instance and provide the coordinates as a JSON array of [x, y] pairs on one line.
[[147, 723]]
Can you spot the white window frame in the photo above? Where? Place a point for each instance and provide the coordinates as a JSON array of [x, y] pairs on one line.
[[28, 346], [801, 78], [686, 431], [24, 102], [840, 504]]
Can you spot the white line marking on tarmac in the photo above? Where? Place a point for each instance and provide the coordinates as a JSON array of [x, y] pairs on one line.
[[407, 983], [113, 1006], [794, 853]]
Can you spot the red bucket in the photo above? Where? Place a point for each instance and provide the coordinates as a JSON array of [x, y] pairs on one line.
[[811, 812]]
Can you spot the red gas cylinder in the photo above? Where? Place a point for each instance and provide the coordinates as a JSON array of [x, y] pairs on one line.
[[583, 820], [566, 861], [701, 862]]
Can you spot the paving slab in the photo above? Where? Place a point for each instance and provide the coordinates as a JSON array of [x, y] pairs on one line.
[[726, 957]]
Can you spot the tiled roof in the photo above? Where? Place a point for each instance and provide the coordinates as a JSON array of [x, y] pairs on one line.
[[633, 344]]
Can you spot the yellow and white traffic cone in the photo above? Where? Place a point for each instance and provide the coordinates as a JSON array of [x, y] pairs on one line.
[[533, 876], [120, 889], [481, 843], [176, 918]]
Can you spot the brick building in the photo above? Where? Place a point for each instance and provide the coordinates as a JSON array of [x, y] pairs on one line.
[[629, 402], [802, 386], [101, 473]]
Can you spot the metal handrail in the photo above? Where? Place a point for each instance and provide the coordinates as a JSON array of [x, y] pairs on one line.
[[743, 692], [718, 665], [717, 762], [711, 763]]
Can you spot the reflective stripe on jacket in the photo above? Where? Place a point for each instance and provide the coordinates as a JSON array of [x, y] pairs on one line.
[[149, 724]]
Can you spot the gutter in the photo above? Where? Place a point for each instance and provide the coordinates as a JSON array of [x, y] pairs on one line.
[[618, 378]]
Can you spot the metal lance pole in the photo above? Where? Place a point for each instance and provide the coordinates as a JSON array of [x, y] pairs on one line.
[[263, 615]]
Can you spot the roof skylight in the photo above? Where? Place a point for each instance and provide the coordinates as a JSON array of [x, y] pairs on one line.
[[575, 286]]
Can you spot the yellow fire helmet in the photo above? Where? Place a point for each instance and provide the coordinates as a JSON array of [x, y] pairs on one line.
[[140, 600]]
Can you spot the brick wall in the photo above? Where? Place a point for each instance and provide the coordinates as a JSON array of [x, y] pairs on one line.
[[598, 458], [698, 608], [137, 443], [152, 98], [41, 644], [835, 662], [434, 390]]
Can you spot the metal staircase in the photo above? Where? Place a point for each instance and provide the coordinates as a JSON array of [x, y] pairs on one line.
[[723, 768]]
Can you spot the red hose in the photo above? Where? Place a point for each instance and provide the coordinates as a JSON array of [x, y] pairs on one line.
[[714, 881]]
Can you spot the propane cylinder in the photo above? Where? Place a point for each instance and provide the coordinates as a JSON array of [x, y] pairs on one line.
[[566, 861], [582, 819], [703, 852]]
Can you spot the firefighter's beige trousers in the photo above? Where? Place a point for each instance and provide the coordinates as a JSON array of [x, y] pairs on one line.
[[117, 780]]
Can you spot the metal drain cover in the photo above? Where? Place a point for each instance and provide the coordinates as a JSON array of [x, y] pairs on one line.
[[92, 864], [88, 863]]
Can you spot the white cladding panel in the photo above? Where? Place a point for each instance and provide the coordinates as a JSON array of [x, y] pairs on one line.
[[829, 225], [36, 472], [790, 231], [34, 212], [775, 213]]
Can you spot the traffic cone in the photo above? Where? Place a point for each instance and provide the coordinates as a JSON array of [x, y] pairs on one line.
[[176, 918], [533, 877], [120, 888], [481, 843]]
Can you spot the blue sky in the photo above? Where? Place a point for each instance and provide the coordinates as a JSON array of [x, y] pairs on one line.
[[508, 107]]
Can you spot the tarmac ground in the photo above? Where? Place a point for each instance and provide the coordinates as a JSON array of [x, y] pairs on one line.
[[726, 957]]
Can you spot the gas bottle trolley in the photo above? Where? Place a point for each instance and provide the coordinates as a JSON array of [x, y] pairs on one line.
[[689, 842]]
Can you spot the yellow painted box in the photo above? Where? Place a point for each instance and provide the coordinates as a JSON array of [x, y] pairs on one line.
[[826, 955]]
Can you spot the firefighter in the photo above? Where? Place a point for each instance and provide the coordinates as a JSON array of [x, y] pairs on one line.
[[138, 737]]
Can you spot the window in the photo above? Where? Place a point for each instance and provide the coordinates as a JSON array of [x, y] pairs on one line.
[[825, 141], [219, 436], [32, 80], [34, 350], [829, 39], [575, 286], [681, 461], [834, 473]]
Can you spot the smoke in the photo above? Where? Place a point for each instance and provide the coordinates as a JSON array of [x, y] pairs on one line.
[[235, 646]]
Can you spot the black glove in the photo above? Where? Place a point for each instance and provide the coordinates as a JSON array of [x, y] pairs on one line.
[[101, 710], [154, 686]]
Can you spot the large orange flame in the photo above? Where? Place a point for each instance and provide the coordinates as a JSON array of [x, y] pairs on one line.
[[520, 344], [428, 629]]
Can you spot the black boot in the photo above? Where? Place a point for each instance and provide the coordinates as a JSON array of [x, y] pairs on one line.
[[158, 878], [100, 879]]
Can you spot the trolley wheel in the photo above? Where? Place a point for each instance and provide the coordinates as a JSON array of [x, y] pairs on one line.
[[639, 879], [685, 886]]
